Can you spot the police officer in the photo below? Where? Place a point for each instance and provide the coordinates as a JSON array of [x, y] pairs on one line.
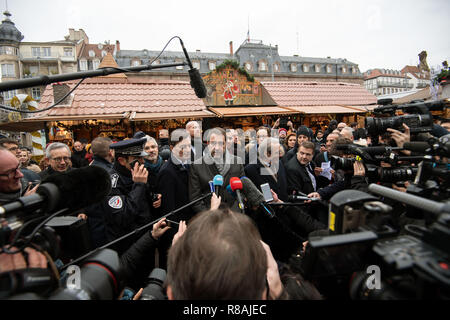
[[127, 207]]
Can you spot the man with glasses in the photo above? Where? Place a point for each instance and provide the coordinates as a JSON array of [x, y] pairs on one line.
[[29, 177], [58, 155], [11, 178]]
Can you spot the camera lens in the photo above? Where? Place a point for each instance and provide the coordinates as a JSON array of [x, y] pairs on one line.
[[343, 163]]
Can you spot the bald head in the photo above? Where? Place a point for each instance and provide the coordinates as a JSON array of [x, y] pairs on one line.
[[10, 174], [341, 126]]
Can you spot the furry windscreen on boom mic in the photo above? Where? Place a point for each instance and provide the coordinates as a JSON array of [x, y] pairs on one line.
[[196, 79], [79, 188], [251, 192], [197, 83]]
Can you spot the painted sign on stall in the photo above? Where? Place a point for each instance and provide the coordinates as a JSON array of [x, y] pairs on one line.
[[228, 87]]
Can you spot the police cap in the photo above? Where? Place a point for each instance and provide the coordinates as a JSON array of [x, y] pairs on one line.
[[130, 147]]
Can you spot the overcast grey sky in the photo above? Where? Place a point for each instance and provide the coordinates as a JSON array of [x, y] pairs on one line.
[[373, 33]]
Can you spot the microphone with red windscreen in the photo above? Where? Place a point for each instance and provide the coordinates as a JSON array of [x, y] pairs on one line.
[[236, 186]]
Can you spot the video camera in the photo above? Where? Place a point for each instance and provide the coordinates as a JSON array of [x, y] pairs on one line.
[[411, 261], [418, 118], [34, 221]]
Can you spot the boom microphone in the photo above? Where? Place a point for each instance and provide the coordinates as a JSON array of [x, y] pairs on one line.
[[236, 186], [196, 79], [74, 190]]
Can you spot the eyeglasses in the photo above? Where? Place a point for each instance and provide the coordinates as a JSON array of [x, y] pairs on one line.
[[11, 173], [58, 159]]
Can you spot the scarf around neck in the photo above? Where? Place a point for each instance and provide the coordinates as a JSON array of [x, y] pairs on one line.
[[153, 167], [222, 166]]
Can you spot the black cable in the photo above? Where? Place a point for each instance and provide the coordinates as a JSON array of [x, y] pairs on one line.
[[116, 68], [48, 108], [27, 242], [26, 224]]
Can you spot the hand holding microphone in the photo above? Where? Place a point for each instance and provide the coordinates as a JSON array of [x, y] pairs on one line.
[[215, 201]]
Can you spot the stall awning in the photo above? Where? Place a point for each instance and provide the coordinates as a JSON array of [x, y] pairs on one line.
[[326, 109], [23, 126], [171, 115], [82, 117], [250, 111]]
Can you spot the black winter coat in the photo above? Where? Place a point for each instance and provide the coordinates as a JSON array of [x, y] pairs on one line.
[[279, 186], [126, 208], [79, 159], [172, 183], [138, 261], [297, 177]]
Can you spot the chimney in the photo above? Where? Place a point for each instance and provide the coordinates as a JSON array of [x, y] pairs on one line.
[[231, 48], [59, 91], [117, 45]]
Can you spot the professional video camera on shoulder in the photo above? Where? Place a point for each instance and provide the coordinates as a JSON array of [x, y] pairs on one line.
[[31, 221], [411, 261]]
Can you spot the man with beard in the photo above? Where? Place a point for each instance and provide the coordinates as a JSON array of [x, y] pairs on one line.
[[153, 163], [216, 160]]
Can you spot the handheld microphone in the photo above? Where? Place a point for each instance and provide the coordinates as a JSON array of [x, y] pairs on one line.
[[231, 191], [196, 79], [236, 186], [211, 186], [301, 198], [218, 183], [254, 196]]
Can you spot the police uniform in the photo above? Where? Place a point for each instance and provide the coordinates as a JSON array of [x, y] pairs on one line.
[[127, 206]]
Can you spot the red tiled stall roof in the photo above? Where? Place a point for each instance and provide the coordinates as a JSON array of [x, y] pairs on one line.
[[105, 96], [330, 94]]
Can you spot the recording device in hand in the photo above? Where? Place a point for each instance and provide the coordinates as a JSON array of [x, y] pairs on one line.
[[296, 198], [265, 188], [366, 232], [254, 197], [418, 118], [74, 190], [155, 287]]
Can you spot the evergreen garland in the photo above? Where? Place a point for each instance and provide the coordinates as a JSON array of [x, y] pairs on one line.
[[235, 65]]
